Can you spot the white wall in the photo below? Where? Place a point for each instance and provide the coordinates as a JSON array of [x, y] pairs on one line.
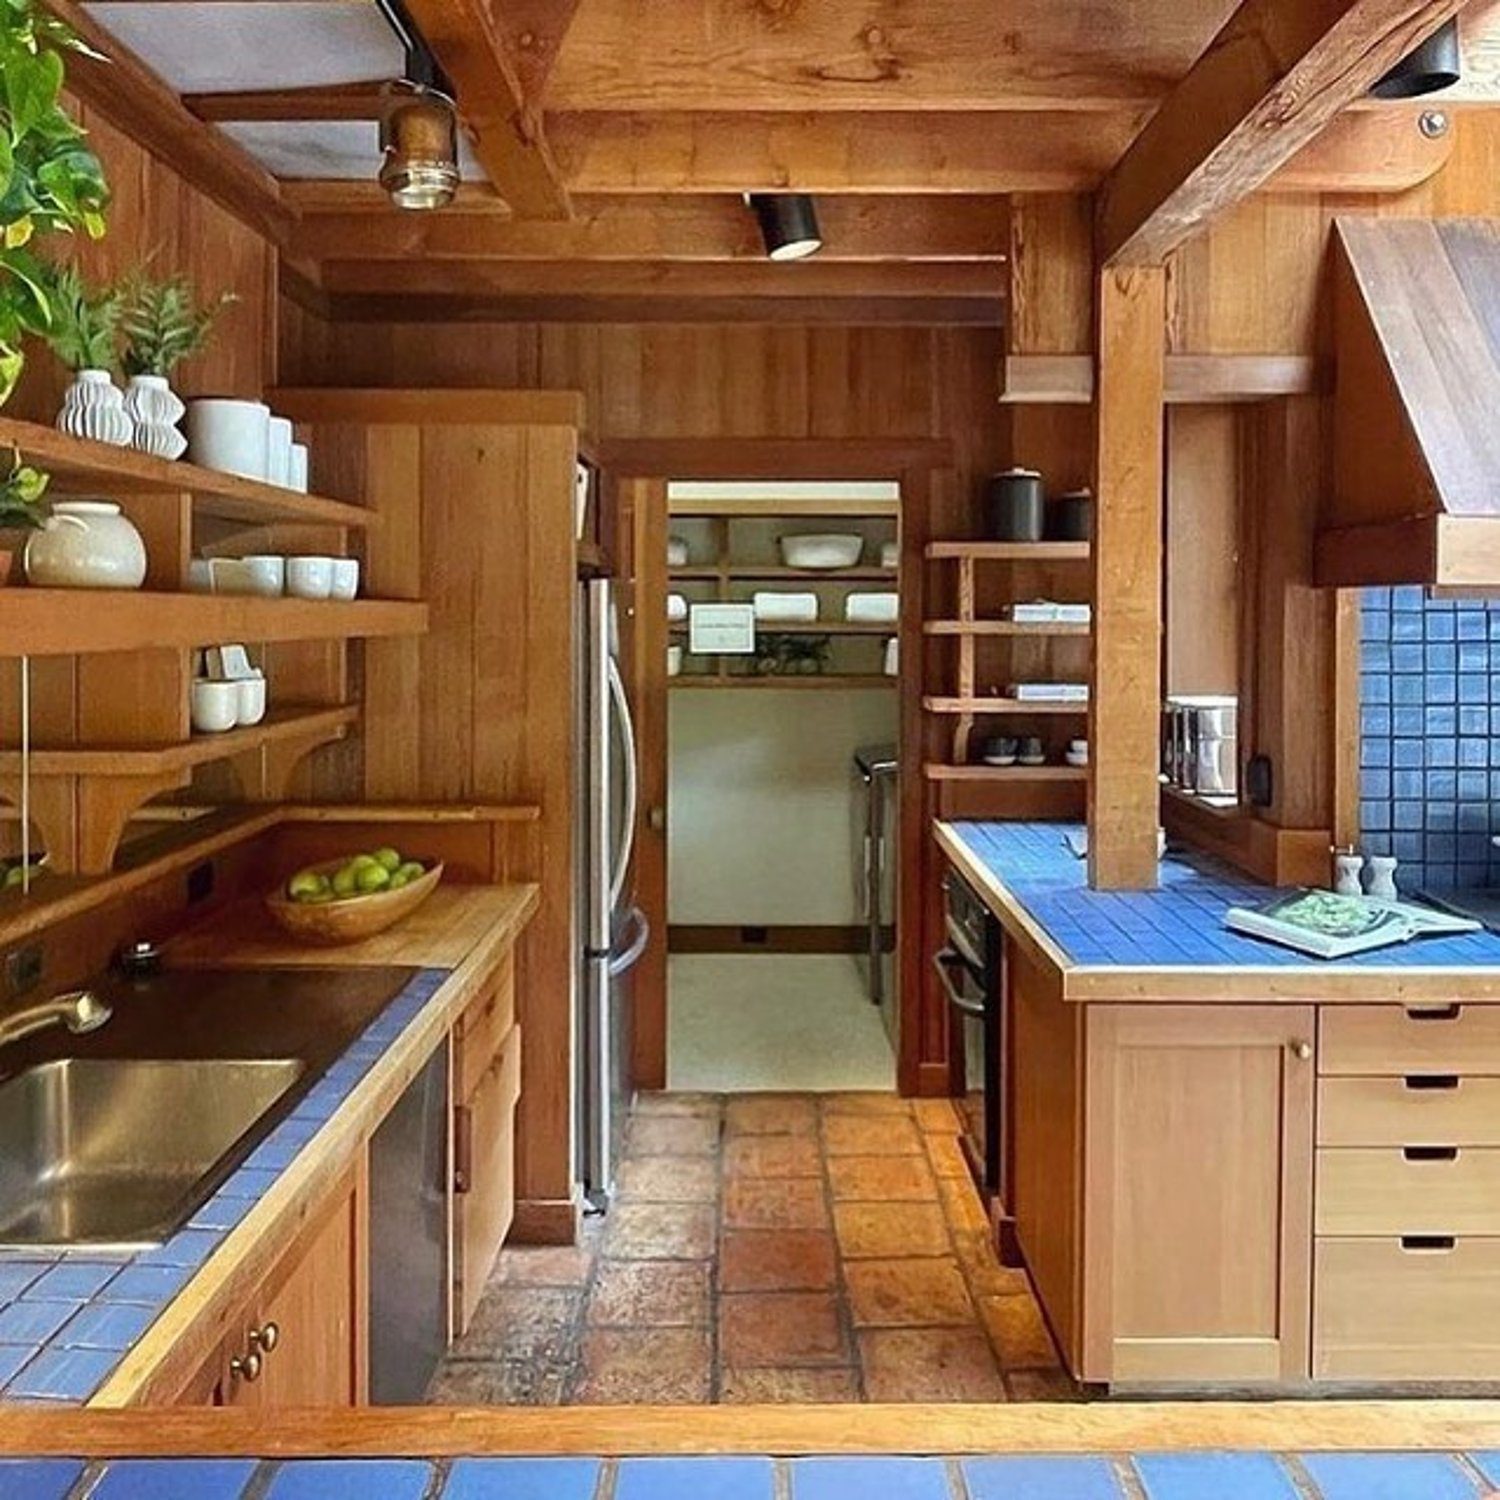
[[762, 811]]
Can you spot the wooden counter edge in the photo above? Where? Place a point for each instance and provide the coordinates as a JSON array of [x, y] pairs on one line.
[[1449, 1425], [194, 1322]]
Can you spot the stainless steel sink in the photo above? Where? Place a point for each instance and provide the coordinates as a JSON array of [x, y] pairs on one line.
[[118, 1152]]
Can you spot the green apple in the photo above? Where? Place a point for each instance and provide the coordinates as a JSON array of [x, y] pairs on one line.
[[398, 879], [388, 859], [306, 884], [346, 879], [372, 878], [411, 871]]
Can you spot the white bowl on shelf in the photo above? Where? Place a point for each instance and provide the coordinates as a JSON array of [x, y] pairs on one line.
[[233, 437], [822, 551]]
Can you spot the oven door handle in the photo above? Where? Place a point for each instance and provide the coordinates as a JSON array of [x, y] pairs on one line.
[[945, 961]]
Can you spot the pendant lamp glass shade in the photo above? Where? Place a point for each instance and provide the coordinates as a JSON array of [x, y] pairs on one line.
[[788, 224], [419, 150], [1436, 64]]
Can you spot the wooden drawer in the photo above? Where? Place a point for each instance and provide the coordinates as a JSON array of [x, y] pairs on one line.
[[1388, 1311], [1389, 1039], [1442, 1109], [1390, 1191], [484, 1026]]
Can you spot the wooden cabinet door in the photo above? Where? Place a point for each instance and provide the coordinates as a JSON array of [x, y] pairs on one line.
[[1198, 1193]]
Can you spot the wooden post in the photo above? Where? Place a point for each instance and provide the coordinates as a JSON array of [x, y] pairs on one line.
[[1125, 683]]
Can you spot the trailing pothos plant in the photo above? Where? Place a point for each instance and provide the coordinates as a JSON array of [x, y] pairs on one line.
[[21, 492], [50, 181]]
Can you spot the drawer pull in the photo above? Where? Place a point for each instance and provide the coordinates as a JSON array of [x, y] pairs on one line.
[[1301, 1050], [1430, 1153], [1431, 1082], [1437, 1013], [1428, 1244]]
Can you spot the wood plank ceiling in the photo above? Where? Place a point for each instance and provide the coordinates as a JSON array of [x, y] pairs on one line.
[[609, 142]]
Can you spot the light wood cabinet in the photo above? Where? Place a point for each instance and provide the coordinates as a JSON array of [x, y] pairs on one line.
[[1197, 1193]]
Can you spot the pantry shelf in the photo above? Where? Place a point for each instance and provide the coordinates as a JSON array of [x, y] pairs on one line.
[[986, 707], [812, 680], [939, 772], [812, 627], [1008, 551], [769, 574], [781, 509], [1004, 628]]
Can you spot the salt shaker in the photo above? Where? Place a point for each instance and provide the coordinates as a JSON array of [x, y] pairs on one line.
[[1383, 877], [1347, 882]]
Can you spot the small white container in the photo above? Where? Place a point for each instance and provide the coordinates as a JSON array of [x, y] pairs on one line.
[[279, 450], [677, 608], [677, 552], [345, 578], [86, 544], [309, 577], [200, 576], [230, 436], [94, 407], [674, 661], [250, 699], [822, 550], [296, 476], [785, 609], [215, 706], [890, 554], [872, 609], [267, 574], [893, 657], [232, 575]]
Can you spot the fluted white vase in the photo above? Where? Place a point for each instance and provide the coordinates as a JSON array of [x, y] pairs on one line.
[[154, 410], [94, 407]]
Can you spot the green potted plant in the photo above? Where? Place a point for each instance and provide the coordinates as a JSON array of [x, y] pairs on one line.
[[21, 492], [83, 330], [50, 182], [163, 324]]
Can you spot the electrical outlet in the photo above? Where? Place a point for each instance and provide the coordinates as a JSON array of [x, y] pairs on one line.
[[23, 969]]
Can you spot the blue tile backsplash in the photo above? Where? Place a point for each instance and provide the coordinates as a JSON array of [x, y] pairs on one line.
[[1430, 736]]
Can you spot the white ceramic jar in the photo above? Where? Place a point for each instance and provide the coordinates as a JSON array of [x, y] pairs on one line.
[[279, 450], [231, 436], [155, 409], [94, 407], [86, 544]]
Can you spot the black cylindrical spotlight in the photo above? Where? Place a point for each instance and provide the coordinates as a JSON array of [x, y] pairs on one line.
[[1435, 65], [788, 224]]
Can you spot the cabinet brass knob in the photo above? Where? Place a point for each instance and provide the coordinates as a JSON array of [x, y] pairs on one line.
[[1303, 1051], [246, 1367], [265, 1338]]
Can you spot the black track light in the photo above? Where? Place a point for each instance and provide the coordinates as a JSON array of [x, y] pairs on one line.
[[1435, 65], [419, 123], [788, 224]]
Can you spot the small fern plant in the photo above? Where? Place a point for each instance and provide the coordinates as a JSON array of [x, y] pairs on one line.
[[164, 323], [84, 328]]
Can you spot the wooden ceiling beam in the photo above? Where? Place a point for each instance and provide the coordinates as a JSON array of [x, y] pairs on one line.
[[504, 121], [349, 221], [536, 29], [328, 101], [1276, 74]]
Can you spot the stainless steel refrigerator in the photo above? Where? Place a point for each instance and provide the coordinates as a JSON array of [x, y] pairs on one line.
[[610, 931]]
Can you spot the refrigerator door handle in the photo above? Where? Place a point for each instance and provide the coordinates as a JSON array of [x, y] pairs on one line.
[[622, 963], [632, 782]]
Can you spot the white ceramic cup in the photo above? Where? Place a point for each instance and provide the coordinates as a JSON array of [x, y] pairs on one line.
[[215, 706], [231, 436], [345, 577], [200, 579], [267, 573], [231, 575], [309, 577], [250, 699], [279, 450], [296, 475]]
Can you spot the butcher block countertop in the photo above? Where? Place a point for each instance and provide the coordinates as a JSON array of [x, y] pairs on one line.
[[1170, 944]]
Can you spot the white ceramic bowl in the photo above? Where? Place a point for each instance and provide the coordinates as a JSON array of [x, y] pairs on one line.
[[250, 699], [267, 574], [345, 578], [231, 436], [215, 706], [819, 550], [309, 577]]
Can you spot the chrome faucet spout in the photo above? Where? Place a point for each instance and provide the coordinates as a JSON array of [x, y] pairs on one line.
[[81, 1011]]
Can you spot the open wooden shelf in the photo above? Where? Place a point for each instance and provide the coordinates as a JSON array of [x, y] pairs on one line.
[[989, 707], [69, 622], [1008, 551], [814, 627], [783, 509], [938, 772], [80, 466], [788, 680], [1004, 628], [770, 574]]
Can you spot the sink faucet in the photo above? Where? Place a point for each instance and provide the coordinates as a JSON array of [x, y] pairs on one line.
[[81, 1011]]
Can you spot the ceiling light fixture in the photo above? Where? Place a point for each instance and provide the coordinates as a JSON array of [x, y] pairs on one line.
[[418, 125], [1436, 64], [788, 224]]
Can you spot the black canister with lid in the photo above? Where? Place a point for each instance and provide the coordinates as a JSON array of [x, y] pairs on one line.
[[1070, 518], [1015, 506]]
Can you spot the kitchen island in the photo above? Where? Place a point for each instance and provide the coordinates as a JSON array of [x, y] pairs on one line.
[[1231, 1165]]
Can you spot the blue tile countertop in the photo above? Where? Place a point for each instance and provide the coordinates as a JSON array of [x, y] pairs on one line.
[[67, 1321], [1161, 1476], [1179, 925]]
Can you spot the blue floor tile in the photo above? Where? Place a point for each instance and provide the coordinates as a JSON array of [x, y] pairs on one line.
[[1043, 1478], [350, 1479], [523, 1479], [1488, 1465], [1214, 1476], [864, 1478], [38, 1478], [695, 1479], [175, 1479], [1388, 1476]]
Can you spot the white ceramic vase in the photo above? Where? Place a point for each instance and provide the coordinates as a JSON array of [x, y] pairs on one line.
[[94, 407], [86, 544], [154, 411]]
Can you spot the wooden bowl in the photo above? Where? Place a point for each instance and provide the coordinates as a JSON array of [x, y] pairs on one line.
[[348, 919]]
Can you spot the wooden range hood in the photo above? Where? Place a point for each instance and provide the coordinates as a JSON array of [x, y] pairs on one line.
[[1416, 481]]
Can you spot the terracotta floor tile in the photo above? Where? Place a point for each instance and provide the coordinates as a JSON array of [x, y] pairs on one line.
[[775, 1203], [907, 1293], [881, 1179], [650, 1294], [885, 1230], [672, 1135], [665, 1366], [498, 1383], [660, 1231], [776, 1260], [929, 1364], [669, 1179], [700, 1106], [865, 1103], [771, 1114], [962, 1204], [1041, 1385], [947, 1158], [788, 1387], [780, 1329], [545, 1265], [772, 1156], [935, 1116], [521, 1323], [870, 1135], [1018, 1332]]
